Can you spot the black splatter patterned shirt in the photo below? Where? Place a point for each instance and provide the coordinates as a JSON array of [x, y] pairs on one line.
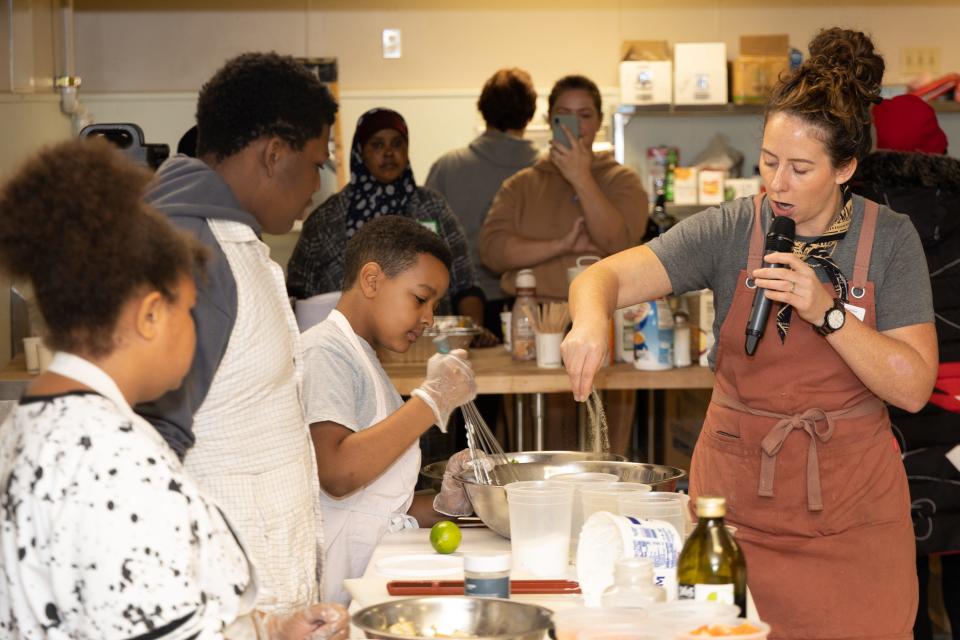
[[103, 534]]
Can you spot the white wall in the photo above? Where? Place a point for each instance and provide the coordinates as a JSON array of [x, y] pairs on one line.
[[439, 120], [174, 45]]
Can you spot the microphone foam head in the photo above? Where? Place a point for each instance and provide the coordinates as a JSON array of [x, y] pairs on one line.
[[783, 226]]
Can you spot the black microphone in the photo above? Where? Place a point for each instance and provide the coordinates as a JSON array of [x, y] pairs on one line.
[[779, 239]]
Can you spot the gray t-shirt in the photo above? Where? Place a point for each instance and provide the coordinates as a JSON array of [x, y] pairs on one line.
[[708, 250], [336, 385]]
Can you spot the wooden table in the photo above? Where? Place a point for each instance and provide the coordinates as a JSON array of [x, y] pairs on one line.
[[497, 372], [14, 378]]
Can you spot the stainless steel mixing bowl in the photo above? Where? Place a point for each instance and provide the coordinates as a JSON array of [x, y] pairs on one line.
[[459, 617], [490, 501], [434, 471]]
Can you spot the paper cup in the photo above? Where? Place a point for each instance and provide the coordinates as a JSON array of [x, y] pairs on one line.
[[548, 350], [31, 350], [46, 357]]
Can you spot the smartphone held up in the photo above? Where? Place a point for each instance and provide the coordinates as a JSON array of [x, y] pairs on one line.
[[571, 122]]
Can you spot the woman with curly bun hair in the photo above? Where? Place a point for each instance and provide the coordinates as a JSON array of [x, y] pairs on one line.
[[797, 437], [103, 533]]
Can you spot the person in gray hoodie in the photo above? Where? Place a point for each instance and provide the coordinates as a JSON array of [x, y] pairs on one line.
[[470, 177], [263, 125]]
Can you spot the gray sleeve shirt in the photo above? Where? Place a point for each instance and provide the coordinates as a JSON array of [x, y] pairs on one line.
[[708, 250], [336, 385]]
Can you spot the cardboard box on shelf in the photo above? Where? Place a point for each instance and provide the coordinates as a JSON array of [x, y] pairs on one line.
[[734, 188], [685, 185], [646, 72], [710, 183], [758, 67], [700, 73]]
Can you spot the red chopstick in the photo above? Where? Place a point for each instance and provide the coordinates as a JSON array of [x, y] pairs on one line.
[[455, 587]]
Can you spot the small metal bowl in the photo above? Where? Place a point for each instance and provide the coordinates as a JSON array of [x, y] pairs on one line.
[[490, 501], [459, 331], [458, 617]]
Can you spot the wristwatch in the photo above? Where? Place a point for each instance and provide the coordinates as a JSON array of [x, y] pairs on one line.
[[833, 319]]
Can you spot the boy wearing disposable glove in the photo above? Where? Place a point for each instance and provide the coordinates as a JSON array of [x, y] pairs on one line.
[[365, 436]]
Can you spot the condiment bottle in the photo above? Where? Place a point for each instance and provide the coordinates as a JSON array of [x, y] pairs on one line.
[[711, 565], [633, 585], [486, 575], [681, 335], [523, 332]]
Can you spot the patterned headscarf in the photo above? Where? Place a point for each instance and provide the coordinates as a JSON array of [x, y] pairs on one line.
[[371, 198], [818, 254]]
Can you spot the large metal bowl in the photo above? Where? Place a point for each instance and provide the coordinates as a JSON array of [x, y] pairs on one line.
[[459, 617], [490, 501], [433, 472]]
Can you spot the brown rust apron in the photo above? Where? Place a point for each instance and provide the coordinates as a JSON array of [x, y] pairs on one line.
[[804, 454]]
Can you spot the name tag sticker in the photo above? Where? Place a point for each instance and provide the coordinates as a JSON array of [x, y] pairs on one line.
[[430, 224], [860, 312]]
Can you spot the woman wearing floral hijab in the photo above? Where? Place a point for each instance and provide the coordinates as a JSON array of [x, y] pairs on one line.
[[381, 183]]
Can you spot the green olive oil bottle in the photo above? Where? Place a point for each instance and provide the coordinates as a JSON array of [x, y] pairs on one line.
[[711, 565]]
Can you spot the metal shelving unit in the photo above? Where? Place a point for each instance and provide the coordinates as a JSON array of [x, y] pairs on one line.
[[690, 128]]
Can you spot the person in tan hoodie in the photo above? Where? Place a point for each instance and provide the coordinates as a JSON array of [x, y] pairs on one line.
[[572, 202]]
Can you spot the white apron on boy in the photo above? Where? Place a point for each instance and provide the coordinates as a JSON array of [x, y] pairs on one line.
[[353, 525]]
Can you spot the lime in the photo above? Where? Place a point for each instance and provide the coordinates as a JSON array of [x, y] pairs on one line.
[[445, 537]]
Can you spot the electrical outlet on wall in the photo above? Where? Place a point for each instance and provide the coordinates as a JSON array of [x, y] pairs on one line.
[[391, 43], [919, 61]]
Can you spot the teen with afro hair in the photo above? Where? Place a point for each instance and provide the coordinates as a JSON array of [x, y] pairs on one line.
[[263, 126]]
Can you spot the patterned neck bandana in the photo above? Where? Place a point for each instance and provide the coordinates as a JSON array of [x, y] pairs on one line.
[[818, 254], [371, 198]]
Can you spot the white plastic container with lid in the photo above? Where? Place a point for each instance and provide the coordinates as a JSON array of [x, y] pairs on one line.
[[633, 585], [653, 337], [681, 334], [606, 538], [487, 575]]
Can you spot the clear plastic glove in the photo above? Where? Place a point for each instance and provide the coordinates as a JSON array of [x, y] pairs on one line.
[[452, 499], [315, 622], [449, 384]]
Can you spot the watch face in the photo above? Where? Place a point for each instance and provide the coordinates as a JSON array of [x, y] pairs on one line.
[[835, 319]]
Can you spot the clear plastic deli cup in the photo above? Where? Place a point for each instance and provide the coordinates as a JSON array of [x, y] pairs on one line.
[[605, 497], [607, 537], [580, 481], [741, 629], [570, 623], [540, 513], [657, 505], [687, 615], [633, 631]]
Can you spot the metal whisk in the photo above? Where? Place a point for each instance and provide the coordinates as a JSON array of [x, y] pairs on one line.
[[483, 445], [481, 441]]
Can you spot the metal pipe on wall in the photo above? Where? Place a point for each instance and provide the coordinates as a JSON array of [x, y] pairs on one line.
[[67, 81]]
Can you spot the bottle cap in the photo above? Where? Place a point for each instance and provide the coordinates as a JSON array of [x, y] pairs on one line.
[[487, 562], [526, 279], [711, 507]]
